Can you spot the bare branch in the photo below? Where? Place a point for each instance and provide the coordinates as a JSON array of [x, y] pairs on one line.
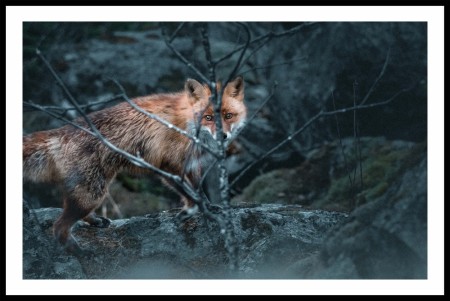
[[272, 92], [174, 34], [386, 61], [355, 84], [63, 110], [272, 65], [268, 35], [209, 61], [114, 205], [356, 135], [311, 121], [244, 49], [255, 50], [247, 122], [163, 121], [54, 115], [64, 88], [340, 142], [136, 160], [225, 223], [182, 58]]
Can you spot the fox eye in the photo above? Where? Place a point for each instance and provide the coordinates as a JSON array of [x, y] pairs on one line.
[[209, 117], [228, 115]]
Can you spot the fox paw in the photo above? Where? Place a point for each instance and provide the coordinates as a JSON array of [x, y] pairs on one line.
[[102, 222], [186, 214], [97, 221]]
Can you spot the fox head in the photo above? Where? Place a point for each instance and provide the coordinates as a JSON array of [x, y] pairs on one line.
[[233, 111]]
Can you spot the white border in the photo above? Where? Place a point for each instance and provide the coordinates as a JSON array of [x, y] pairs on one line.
[[433, 15]]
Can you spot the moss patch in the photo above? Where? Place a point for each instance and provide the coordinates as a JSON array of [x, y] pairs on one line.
[[331, 178]]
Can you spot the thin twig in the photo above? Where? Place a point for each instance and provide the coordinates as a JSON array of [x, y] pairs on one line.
[[174, 34], [247, 122], [244, 49], [209, 61], [182, 58], [272, 65], [360, 159], [355, 84], [268, 35], [272, 92], [255, 50], [85, 106], [114, 205], [164, 122], [138, 161], [340, 142], [386, 61], [41, 108], [309, 122]]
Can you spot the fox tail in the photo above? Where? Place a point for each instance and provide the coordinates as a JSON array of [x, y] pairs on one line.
[[38, 162]]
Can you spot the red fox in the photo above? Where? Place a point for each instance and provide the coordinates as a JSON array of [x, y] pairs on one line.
[[84, 166]]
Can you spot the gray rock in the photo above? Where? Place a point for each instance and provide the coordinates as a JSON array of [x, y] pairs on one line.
[[270, 237], [42, 257], [384, 239]]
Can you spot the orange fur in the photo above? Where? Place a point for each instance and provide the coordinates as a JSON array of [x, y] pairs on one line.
[[84, 166]]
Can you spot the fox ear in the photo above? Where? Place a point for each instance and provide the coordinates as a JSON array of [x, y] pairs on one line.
[[194, 89], [235, 88]]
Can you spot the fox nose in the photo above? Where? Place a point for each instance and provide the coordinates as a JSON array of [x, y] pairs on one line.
[[225, 136]]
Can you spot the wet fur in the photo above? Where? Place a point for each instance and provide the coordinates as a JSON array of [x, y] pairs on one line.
[[84, 166]]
